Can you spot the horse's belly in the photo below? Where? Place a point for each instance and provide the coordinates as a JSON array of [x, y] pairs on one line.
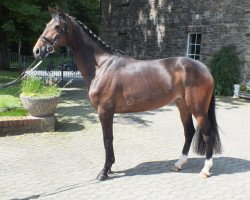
[[143, 102]]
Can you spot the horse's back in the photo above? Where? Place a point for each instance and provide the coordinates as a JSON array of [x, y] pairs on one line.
[[173, 72], [171, 64]]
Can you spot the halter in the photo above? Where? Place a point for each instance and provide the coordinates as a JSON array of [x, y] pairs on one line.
[[50, 48]]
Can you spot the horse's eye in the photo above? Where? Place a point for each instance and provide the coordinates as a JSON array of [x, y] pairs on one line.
[[57, 26]]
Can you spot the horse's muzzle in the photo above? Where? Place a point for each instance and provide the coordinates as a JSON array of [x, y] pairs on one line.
[[40, 52]]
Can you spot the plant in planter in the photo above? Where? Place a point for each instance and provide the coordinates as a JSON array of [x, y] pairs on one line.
[[38, 97], [244, 91]]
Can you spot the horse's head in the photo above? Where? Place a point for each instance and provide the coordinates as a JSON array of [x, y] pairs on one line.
[[54, 34]]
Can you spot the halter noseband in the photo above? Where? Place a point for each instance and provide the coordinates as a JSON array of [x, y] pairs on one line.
[[50, 48]]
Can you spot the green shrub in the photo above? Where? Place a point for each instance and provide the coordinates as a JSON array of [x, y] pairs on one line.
[[225, 69], [34, 86], [243, 87]]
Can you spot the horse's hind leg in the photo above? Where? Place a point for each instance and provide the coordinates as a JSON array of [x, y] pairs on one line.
[[204, 143], [207, 139], [189, 130]]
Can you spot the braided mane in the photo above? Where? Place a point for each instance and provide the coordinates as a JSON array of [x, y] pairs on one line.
[[97, 39]]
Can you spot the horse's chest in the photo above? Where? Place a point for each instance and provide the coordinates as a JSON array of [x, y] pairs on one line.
[[99, 92], [94, 94]]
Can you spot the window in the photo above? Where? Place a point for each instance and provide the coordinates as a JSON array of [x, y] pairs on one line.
[[194, 46]]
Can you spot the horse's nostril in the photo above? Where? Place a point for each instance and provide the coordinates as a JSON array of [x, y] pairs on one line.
[[37, 51]]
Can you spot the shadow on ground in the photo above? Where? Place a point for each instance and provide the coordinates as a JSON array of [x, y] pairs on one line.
[[231, 103], [56, 191], [69, 127], [193, 166], [222, 165], [74, 109]]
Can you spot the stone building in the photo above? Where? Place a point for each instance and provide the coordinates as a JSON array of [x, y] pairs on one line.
[[148, 29]]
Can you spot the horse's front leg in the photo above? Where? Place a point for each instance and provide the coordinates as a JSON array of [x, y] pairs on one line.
[[106, 119]]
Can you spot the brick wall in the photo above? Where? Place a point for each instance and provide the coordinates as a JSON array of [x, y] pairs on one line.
[[149, 29], [29, 124]]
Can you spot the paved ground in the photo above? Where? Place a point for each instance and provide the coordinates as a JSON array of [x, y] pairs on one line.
[[64, 165]]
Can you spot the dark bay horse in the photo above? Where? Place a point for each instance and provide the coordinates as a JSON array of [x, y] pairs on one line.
[[120, 84]]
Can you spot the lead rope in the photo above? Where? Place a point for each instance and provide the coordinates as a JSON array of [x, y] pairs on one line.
[[22, 76]]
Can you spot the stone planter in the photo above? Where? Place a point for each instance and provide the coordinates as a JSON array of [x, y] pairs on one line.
[[40, 106], [244, 95]]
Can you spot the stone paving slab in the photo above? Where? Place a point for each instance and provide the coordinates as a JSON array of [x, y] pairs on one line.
[[64, 164]]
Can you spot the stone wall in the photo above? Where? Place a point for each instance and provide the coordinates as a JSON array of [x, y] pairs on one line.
[[149, 29], [246, 69], [26, 124]]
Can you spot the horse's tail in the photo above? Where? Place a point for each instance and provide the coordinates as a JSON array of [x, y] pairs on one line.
[[200, 145], [217, 147]]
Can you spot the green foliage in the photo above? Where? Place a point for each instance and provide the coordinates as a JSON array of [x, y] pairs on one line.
[[20, 19], [9, 26], [86, 11], [26, 19], [225, 69], [34, 86]]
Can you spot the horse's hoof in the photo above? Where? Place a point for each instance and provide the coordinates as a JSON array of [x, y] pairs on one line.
[[204, 174], [176, 169], [102, 177]]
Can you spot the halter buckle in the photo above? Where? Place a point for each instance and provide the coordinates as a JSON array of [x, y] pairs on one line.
[[50, 49]]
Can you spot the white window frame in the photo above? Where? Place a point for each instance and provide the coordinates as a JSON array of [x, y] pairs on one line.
[[189, 54]]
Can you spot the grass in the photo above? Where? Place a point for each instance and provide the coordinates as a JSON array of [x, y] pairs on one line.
[[10, 104], [14, 112]]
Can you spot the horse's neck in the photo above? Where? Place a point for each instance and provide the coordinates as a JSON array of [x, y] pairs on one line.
[[87, 55]]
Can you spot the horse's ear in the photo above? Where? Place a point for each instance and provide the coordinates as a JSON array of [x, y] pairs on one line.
[[62, 13], [57, 7], [52, 11], [55, 13]]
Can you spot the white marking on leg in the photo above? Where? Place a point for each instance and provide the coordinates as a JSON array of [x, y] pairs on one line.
[[207, 166], [182, 160]]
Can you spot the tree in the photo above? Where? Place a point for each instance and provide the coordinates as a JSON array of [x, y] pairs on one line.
[[86, 11], [19, 20], [4, 64], [26, 19]]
